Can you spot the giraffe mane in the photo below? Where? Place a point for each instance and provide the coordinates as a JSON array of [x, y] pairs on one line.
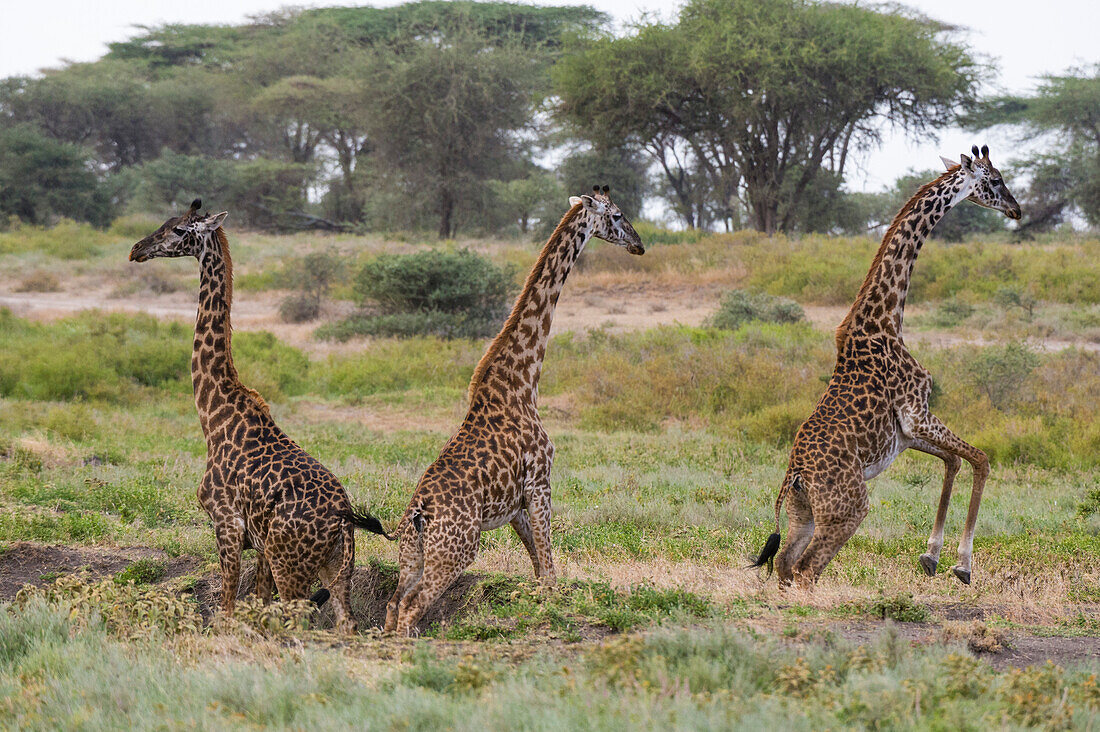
[[223, 244], [521, 300], [842, 329]]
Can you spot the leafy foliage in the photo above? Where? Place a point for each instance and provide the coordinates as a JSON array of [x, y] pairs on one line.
[[1066, 109], [705, 107], [739, 307], [449, 294], [42, 179]]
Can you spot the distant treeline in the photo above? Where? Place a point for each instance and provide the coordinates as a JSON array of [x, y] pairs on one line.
[[441, 115]]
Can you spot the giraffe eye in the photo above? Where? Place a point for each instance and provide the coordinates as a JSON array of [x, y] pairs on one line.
[[616, 216], [179, 230], [998, 181]]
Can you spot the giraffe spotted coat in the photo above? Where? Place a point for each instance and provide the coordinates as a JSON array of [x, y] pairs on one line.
[[495, 470], [876, 403], [260, 489]]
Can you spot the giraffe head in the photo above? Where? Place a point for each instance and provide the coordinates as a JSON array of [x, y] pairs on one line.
[[608, 222], [186, 235], [983, 183]]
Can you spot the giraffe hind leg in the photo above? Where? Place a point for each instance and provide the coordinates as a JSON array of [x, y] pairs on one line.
[[834, 525], [446, 555], [522, 524], [800, 529], [410, 563], [336, 576]]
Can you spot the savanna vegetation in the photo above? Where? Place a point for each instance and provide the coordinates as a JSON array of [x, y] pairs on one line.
[[443, 116], [407, 147], [671, 440]]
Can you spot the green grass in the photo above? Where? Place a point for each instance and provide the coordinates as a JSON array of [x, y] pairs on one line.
[[61, 671]]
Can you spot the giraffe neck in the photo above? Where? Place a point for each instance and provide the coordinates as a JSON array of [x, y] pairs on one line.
[[213, 374], [513, 362], [880, 304]]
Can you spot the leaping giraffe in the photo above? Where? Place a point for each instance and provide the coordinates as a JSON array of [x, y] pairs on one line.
[[260, 488], [496, 468], [876, 404]]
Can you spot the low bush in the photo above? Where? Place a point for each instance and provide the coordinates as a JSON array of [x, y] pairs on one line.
[[299, 308], [739, 307], [312, 276], [448, 294], [142, 572]]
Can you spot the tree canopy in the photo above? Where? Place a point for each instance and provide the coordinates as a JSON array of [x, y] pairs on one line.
[[758, 97], [1065, 177]]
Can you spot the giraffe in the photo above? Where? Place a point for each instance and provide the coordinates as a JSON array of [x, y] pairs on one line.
[[496, 468], [260, 488], [876, 403]]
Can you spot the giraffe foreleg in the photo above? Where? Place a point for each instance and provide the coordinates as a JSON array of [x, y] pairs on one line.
[[929, 428], [522, 524], [229, 533], [930, 560], [539, 511]]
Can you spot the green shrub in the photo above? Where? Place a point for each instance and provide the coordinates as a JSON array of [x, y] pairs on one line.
[[951, 312], [450, 294], [143, 572], [1000, 372], [299, 308], [312, 276], [739, 307], [901, 608]]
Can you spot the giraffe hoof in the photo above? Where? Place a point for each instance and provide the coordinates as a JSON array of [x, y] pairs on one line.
[[962, 574], [928, 564]]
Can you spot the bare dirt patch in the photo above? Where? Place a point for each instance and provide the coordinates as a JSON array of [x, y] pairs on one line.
[[27, 563], [1020, 650]]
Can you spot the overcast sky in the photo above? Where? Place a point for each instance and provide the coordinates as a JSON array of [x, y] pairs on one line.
[[1022, 38]]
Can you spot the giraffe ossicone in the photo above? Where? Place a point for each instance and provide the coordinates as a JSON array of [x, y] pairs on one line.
[[876, 403]]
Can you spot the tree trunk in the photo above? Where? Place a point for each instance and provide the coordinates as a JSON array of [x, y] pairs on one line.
[[446, 215]]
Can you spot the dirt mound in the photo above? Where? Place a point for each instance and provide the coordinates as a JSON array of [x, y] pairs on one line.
[[27, 563], [371, 588]]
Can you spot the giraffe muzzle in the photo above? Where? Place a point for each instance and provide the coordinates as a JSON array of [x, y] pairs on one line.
[[635, 248]]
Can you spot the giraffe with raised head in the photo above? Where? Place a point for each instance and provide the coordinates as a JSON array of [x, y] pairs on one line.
[[496, 469], [260, 489], [876, 403]]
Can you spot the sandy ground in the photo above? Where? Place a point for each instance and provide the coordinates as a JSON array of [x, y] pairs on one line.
[[622, 308]]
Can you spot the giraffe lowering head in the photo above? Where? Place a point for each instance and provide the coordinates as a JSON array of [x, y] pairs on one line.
[[983, 183], [186, 235], [608, 222]]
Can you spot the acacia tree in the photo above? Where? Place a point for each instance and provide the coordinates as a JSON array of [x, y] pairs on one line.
[[42, 179], [446, 118], [761, 96], [1065, 109]]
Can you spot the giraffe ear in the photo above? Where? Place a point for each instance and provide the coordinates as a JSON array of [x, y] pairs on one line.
[[966, 162], [948, 162], [212, 222], [574, 201], [591, 204]]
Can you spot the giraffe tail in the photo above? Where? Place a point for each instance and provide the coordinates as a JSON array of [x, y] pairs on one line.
[[365, 521], [771, 546], [320, 597]]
